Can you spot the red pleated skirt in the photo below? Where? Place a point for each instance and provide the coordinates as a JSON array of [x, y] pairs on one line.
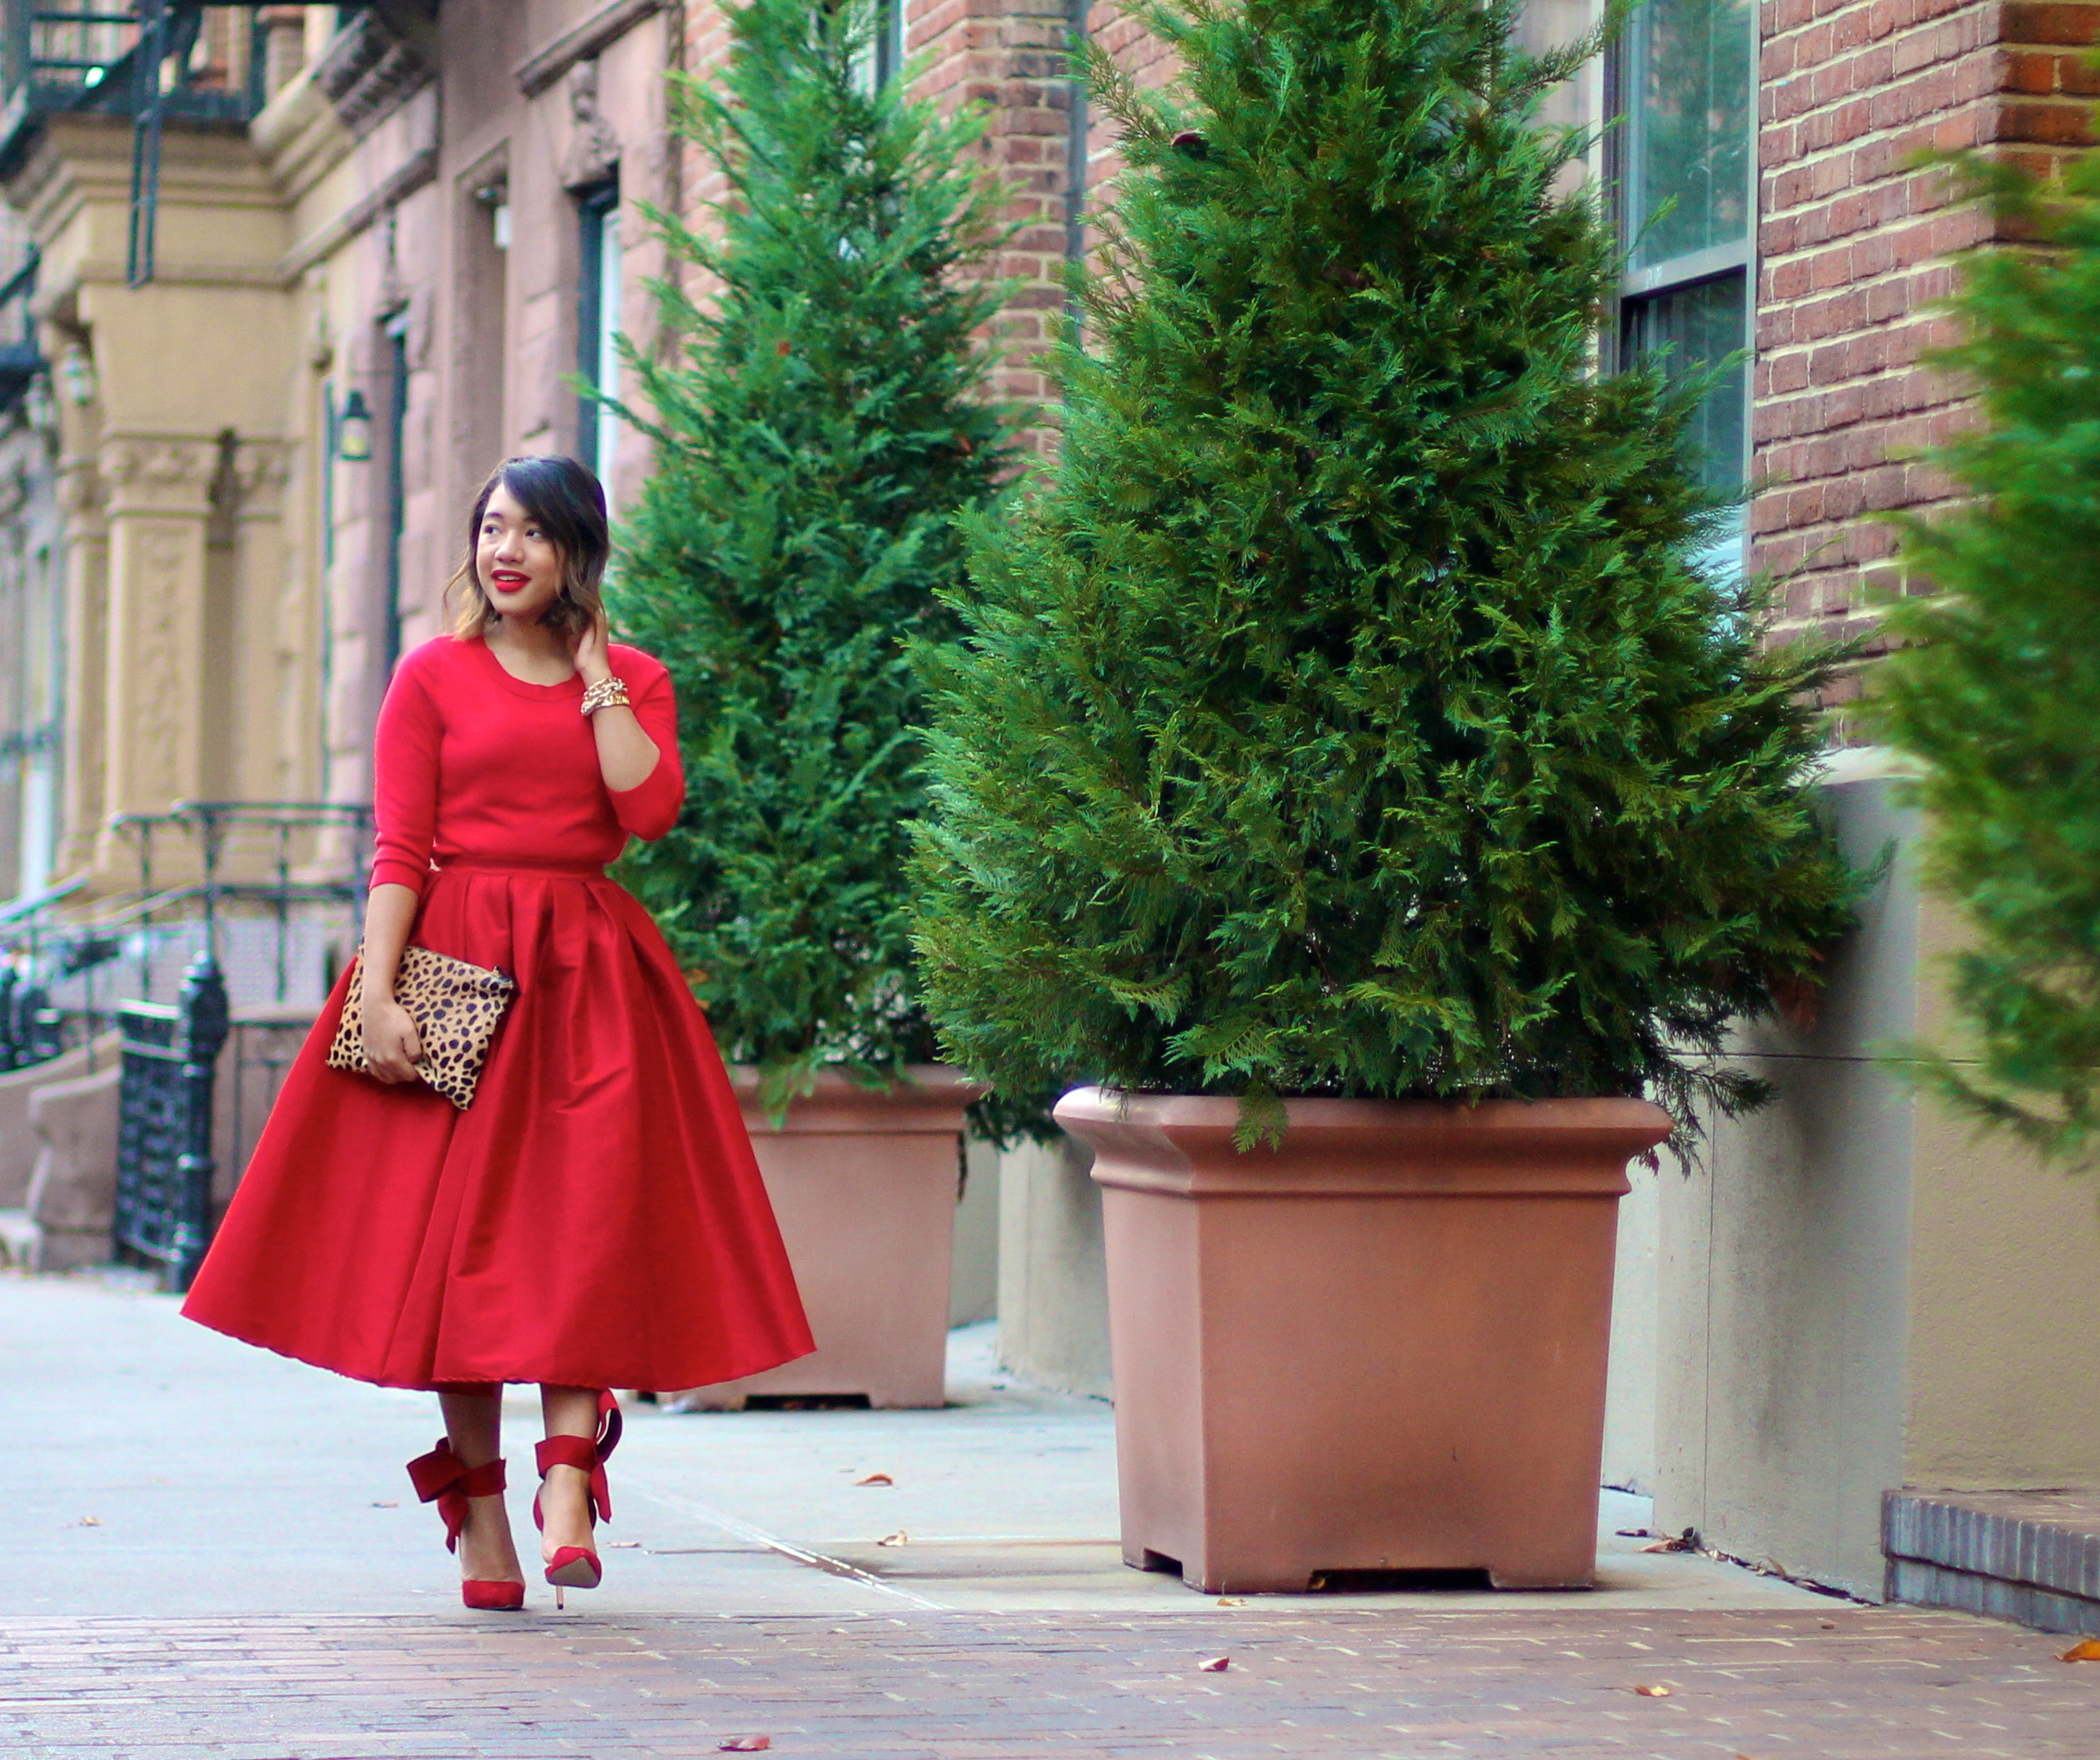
[[595, 1219]]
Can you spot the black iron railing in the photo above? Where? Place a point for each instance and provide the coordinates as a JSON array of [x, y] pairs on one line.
[[164, 1160]]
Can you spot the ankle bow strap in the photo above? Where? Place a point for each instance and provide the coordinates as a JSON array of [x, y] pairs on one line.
[[441, 1477], [588, 1454]]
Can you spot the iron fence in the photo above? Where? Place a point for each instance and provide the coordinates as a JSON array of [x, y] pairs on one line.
[[164, 1159]]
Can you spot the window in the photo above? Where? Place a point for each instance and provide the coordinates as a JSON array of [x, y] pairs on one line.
[[884, 57], [1688, 186], [597, 311]]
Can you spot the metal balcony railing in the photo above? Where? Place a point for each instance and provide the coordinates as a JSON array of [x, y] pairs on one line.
[[141, 62], [83, 56]]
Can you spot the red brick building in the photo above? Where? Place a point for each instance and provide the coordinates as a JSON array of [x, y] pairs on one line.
[[1782, 134]]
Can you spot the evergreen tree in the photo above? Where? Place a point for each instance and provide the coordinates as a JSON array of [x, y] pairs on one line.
[[1999, 693], [815, 438], [1348, 718]]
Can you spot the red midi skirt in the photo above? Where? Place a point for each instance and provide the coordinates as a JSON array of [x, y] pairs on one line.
[[595, 1219]]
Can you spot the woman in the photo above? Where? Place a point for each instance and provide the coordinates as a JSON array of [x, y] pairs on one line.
[[594, 1218]]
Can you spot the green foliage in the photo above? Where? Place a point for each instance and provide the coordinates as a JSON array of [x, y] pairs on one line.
[[1347, 718], [1998, 694], [817, 429]]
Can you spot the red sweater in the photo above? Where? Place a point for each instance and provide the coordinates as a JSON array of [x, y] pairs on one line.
[[471, 761]]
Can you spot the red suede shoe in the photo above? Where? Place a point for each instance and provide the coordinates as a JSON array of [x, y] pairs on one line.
[[578, 1567], [441, 1477]]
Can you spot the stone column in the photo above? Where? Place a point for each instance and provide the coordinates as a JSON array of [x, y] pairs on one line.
[[160, 509], [266, 758], [85, 538]]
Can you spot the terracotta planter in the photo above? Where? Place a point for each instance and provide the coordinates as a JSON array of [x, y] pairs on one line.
[[864, 1185], [1379, 1347]]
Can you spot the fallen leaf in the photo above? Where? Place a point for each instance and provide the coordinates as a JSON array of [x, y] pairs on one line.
[[1687, 1542], [1828, 1625], [610, 1544], [876, 1478], [90, 1521], [900, 1539], [1653, 1693], [2085, 1650], [745, 1744], [1215, 1665], [1232, 1601], [1633, 1533], [386, 1503]]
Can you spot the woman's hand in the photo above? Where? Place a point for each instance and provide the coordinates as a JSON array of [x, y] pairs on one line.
[[392, 1046], [592, 661]]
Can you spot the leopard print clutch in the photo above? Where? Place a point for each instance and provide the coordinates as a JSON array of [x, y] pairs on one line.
[[456, 1007]]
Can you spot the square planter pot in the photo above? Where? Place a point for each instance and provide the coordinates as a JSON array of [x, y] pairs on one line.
[[1380, 1347], [864, 1185]]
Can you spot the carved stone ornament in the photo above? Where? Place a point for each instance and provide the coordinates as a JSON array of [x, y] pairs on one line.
[[155, 681], [370, 70], [261, 469], [81, 489], [173, 474], [593, 145]]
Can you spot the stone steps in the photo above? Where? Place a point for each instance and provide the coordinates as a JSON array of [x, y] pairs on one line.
[[2032, 1556]]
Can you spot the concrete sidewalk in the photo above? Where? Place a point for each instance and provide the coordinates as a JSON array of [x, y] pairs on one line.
[[215, 1556], [164, 1470]]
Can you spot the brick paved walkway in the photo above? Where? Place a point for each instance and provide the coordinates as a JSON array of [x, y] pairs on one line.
[[1855, 1682]]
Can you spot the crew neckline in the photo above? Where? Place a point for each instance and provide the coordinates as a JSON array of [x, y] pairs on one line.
[[571, 686]]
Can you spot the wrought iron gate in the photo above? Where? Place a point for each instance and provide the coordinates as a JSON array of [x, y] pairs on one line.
[[164, 1161]]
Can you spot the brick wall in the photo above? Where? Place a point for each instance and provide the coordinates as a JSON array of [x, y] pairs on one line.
[[1008, 55], [1854, 244]]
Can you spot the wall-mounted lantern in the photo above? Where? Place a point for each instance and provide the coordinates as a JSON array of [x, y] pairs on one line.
[[353, 432], [77, 372]]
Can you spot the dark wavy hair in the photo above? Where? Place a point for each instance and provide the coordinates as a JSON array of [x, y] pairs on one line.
[[568, 503]]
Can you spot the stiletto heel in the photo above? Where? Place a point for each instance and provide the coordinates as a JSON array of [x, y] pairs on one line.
[[441, 1477], [578, 1567]]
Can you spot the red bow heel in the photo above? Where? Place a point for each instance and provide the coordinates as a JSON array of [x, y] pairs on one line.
[[441, 1477], [578, 1567]]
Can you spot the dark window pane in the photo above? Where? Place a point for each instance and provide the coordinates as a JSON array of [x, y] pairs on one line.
[[1689, 127], [1698, 325]]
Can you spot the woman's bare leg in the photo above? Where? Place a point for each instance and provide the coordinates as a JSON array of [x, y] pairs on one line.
[[564, 1500], [474, 1423]]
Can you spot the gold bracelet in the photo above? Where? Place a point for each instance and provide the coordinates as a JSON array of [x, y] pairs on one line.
[[607, 694]]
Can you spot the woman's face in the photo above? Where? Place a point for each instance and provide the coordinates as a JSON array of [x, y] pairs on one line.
[[520, 568]]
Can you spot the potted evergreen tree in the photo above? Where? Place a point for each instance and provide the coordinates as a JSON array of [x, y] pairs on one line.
[[816, 432], [1351, 771]]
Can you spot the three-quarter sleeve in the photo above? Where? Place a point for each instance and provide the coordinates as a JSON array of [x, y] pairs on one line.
[[651, 807], [405, 783]]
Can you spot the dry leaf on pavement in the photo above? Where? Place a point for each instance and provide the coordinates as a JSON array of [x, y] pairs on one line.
[[1687, 1542], [876, 1478], [1215, 1665], [1232, 1601], [900, 1539], [2085, 1650], [1653, 1693], [745, 1744], [612, 1543], [90, 1521]]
